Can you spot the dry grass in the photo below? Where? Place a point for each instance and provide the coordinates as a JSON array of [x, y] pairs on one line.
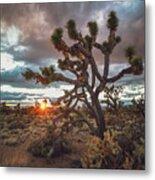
[[17, 133]]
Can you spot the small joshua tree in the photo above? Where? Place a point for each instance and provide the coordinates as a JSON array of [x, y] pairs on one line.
[[88, 82], [112, 98], [139, 104]]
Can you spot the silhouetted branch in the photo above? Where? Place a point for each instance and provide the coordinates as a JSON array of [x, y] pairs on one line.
[[120, 75]]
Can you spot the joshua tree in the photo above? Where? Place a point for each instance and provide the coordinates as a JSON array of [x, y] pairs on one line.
[[87, 82]]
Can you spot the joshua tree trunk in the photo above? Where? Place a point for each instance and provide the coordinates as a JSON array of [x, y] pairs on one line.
[[98, 116], [101, 125]]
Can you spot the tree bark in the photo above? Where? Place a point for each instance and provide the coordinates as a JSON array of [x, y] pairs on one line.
[[100, 117]]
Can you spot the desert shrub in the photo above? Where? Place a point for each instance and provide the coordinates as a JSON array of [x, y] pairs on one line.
[[1, 125], [16, 124], [49, 146], [4, 109], [12, 141], [92, 157], [40, 148], [4, 133], [139, 155], [116, 151], [6, 118], [100, 154], [139, 105]]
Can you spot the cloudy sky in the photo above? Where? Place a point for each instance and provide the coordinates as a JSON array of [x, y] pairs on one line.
[[25, 41]]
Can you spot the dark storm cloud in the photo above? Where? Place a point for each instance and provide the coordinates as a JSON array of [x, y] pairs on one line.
[[17, 96], [131, 79], [14, 78], [37, 21], [55, 13], [37, 51], [12, 96], [131, 16]]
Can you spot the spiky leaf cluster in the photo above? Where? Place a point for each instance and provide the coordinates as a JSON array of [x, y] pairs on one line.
[[47, 71], [57, 36], [137, 65], [129, 52], [93, 28], [112, 21], [71, 27], [135, 61], [106, 46], [117, 39], [28, 74]]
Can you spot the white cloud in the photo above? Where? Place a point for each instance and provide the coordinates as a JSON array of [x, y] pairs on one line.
[[13, 35], [8, 63], [20, 48], [51, 92]]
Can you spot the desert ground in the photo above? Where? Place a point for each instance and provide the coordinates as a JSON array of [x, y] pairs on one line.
[[29, 138]]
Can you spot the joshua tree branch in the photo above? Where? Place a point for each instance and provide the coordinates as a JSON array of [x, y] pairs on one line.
[[113, 79], [120, 75], [100, 47], [89, 56]]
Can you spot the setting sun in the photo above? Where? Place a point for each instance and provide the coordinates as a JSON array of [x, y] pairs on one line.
[[43, 106]]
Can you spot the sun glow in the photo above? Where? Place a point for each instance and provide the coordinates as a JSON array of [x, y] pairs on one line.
[[43, 106]]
